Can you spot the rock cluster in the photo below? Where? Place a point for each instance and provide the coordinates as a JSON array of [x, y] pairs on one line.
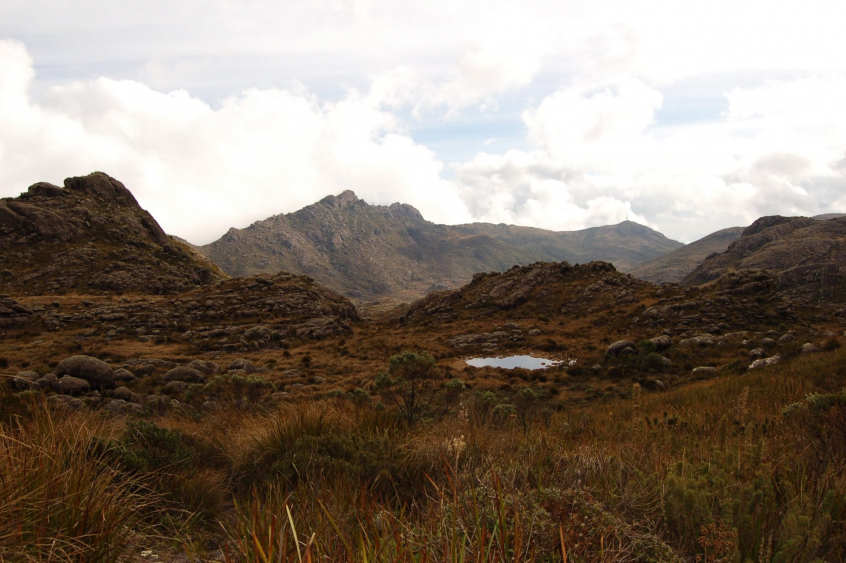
[[12, 313]]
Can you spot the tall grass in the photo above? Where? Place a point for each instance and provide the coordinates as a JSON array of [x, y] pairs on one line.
[[748, 468], [60, 499]]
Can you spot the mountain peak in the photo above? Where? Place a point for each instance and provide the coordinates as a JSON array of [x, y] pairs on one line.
[[343, 199], [99, 184]]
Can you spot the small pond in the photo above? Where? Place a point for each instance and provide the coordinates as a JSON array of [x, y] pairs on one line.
[[511, 362]]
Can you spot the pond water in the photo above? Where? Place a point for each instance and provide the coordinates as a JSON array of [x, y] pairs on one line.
[[511, 362]]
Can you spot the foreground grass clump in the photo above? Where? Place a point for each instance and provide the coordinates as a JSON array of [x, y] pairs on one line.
[[735, 469], [60, 498]]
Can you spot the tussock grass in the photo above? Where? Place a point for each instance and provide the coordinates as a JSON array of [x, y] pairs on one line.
[[733, 469], [60, 499]]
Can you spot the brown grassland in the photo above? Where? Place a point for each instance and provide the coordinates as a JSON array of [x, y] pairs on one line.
[[738, 468]]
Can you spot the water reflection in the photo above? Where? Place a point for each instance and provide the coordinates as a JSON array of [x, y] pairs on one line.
[[511, 362]]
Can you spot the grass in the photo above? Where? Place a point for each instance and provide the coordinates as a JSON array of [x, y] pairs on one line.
[[60, 498], [737, 468]]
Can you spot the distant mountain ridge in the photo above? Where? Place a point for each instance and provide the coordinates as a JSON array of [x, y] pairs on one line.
[[372, 251], [675, 265]]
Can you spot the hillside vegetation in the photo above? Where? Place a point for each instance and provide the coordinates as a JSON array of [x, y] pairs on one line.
[[739, 468]]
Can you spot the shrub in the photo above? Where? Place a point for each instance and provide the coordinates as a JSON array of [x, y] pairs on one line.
[[242, 391], [147, 447], [410, 384]]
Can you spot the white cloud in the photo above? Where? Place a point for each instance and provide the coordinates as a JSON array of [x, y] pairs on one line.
[[224, 111], [201, 170]]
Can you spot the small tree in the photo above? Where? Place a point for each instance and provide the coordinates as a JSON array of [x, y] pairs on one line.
[[410, 384]]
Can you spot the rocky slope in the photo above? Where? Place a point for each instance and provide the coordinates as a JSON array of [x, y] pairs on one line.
[[808, 256], [369, 251], [673, 266], [235, 315], [91, 237]]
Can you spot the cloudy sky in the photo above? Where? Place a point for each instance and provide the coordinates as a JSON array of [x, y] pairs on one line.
[[684, 116]]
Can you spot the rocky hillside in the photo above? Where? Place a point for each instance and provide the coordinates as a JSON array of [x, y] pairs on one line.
[[91, 237], [808, 256], [235, 315], [675, 265], [370, 251]]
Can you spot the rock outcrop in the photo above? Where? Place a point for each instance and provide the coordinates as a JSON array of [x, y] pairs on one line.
[[91, 237], [806, 257]]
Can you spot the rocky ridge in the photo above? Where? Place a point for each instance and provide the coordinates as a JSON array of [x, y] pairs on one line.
[[806, 256], [371, 251], [91, 237]]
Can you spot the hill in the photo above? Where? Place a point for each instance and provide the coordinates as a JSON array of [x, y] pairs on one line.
[[676, 264], [91, 237], [807, 255], [371, 251]]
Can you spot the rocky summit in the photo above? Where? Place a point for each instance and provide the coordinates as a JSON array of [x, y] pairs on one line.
[[370, 251], [807, 256], [91, 237]]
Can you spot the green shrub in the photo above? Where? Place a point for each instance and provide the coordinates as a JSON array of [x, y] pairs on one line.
[[146, 447]]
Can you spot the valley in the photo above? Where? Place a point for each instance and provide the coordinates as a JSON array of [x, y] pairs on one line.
[[243, 413]]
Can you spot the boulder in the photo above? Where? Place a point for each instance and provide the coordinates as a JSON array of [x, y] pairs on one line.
[[95, 372], [661, 342], [615, 348], [46, 382], [69, 385], [184, 373], [24, 380], [703, 371], [809, 348], [122, 407], [700, 340], [66, 402], [123, 375], [124, 394], [175, 387], [757, 353], [764, 362], [242, 365], [205, 367]]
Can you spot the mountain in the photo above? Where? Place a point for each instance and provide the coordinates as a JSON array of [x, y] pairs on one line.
[[808, 256], [372, 251], [675, 265], [91, 237]]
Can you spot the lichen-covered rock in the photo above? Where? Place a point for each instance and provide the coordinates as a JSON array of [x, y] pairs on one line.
[[69, 385], [764, 362], [184, 373], [703, 371], [662, 342], [617, 347], [95, 372]]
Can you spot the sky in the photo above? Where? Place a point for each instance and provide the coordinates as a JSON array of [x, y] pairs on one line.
[[687, 117]]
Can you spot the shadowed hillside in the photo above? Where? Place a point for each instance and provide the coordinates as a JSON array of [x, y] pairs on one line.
[[675, 265]]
